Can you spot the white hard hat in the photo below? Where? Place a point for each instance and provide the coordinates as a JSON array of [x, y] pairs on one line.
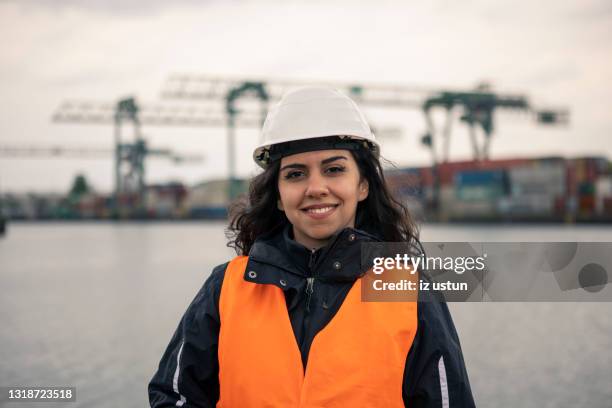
[[310, 113]]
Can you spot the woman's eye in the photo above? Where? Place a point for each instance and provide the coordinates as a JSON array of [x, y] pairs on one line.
[[335, 169], [293, 174]]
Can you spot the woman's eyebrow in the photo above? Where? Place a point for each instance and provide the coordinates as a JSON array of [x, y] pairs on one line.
[[303, 166], [293, 166], [331, 159]]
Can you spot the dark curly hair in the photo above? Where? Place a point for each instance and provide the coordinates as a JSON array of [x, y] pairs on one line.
[[380, 213]]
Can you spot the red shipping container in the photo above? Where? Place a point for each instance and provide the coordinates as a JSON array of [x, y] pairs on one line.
[[586, 204]]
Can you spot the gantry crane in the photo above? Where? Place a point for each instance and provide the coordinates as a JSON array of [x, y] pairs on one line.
[[129, 169], [231, 104], [134, 153], [478, 106]]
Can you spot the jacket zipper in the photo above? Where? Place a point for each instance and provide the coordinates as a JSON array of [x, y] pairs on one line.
[[309, 291], [310, 280]]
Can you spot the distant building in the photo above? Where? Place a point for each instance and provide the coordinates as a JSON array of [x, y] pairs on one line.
[[165, 200], [209, 199]]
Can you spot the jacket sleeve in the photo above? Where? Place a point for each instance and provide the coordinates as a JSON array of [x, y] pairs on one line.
[[188, 371], [435, 373]]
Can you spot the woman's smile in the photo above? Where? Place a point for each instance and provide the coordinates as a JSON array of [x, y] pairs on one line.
[[319, 211]]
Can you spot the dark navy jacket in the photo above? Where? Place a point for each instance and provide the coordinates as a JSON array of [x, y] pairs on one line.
[[315, 284]]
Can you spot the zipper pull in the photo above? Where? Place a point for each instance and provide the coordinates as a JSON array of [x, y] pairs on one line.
[[311, 261], [309, 290]]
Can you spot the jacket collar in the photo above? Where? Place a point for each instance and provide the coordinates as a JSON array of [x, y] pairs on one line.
[[339, 260]]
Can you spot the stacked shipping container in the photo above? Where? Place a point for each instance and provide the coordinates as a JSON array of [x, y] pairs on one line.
[[551, 188], [539, 189]]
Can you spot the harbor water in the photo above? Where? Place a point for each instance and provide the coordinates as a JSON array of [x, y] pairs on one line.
[[93, 305]]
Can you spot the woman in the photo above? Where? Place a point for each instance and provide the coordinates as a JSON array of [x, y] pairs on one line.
[[282, 324]]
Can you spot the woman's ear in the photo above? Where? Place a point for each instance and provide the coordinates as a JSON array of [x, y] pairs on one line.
[[279, 205], [364, 189]]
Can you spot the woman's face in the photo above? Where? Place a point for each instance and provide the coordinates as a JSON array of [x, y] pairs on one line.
[[319, 192]]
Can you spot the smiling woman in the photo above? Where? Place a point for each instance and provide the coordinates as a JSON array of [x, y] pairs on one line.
[[319, 192], [248, 338]]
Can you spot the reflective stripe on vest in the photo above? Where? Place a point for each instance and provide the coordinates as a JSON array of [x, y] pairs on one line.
[[357, 360]]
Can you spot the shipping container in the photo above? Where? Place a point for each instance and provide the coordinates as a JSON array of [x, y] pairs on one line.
[[537, 189], [481, 185], [90, 206], [603, 195], [447, 171], [447, 201], [606, 210], [164, 200], [405, 183], [474, 210]]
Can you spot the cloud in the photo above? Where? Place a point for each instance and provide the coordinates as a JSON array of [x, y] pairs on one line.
[[109, 7], [105, 50]]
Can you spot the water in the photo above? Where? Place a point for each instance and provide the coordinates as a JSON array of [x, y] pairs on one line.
[[94, 306]]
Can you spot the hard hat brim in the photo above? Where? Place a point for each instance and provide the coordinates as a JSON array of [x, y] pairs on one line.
[[266, 154]]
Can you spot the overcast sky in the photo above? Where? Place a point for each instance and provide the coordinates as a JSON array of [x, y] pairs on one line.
[[557, 53]]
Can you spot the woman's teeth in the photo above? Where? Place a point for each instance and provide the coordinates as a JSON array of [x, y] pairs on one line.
[[320, 210]]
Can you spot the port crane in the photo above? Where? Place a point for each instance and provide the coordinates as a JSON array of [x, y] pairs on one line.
[[243, 102], [129, 156], [477, 106], [133, 153]]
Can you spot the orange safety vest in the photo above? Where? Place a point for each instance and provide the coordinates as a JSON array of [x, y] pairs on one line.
[[356, 360]]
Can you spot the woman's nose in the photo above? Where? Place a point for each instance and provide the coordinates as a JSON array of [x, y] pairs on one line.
[[317, 186]]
